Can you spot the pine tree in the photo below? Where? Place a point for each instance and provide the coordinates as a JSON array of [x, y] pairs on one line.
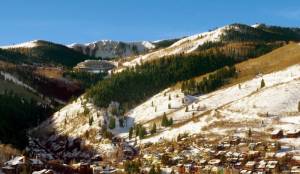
[[130, 132], [158, 170], [170, 122], [152, 170], [142, 133], [249, 133], [164, 121], [169, 106], [112, 123], [91, 120], [186, 109], [86, 110], [262, 83], [121, 122], [170, 97], [153, 129], [299, 106], [137, 130]]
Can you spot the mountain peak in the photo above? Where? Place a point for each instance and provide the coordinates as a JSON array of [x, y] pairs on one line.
[[29, 44]]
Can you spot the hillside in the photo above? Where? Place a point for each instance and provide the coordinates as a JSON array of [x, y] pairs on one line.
[[108, 49], [42, 52], [215, 114], [280, 71], [235, 33]]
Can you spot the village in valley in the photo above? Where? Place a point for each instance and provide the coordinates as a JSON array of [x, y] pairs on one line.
[[186, 154], [223, 100]]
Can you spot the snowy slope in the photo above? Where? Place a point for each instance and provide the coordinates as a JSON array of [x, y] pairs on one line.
[[227, 110], [30, 44], [233, 106], [186, 45], [112, 49]]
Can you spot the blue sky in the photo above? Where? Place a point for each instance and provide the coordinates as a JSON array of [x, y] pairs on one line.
[[68, 21]]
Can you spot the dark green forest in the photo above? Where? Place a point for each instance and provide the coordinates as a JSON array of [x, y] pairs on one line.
[[85, 78], [17, 116], [134, 85], [210, 83]]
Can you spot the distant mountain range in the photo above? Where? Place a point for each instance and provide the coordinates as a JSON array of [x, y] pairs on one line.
[[117, 49]]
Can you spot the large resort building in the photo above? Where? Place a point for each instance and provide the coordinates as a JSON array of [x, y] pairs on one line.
[[94, 66]]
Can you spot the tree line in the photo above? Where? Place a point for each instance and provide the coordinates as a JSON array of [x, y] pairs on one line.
[[135, 85], [210, 83], [17, 116]]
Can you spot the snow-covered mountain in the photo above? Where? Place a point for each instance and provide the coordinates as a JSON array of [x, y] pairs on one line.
[[232, 110], [226, 34], [113, 49], [185, 45]]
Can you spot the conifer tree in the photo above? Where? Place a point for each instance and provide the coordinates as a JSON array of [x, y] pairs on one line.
[[170, 122], [91, 120], [137, 130], [262, 83], [152, 170], [186, 109], [164, 121], [158, 170], [112, 123], [249, 132], [130, 132], [142, 132], [153, 129]]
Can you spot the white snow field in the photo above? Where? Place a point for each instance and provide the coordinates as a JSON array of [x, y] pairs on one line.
[[231, 110], [185, 45], [278, 99]]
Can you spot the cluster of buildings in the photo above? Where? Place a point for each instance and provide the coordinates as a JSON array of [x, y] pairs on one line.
[[279, 133], [66, 156], [24, 165], [232, 155], [193, 154]]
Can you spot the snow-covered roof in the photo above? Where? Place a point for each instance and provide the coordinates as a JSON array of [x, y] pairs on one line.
[[15, 161]]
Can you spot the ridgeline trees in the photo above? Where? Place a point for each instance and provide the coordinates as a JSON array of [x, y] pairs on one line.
[[47, 52]]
